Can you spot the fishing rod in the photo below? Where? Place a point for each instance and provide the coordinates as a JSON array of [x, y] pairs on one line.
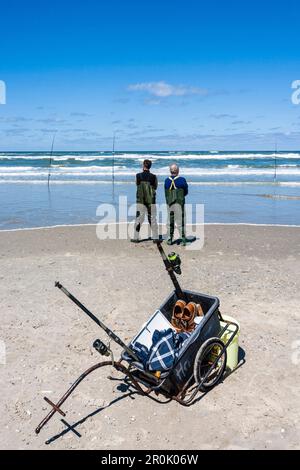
[[113, 166], [275, 164], [110, 333], [50, 159], [172, 263]]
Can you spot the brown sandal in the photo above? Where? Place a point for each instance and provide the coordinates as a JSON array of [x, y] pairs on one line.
[[177, 314], [189, 313], [184, 314], [200, 312]]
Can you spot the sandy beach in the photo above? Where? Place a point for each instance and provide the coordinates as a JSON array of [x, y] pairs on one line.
[[255, 272]]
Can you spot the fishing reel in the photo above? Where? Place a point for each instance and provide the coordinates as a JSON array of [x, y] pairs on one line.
[[175, 262], [101, 348]]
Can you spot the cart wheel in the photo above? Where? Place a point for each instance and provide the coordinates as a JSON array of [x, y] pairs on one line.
[[205, 357]]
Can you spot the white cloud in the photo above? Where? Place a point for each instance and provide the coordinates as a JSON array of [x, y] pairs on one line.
[[162, 89]]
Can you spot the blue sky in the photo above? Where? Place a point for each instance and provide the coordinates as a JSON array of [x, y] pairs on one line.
[[160, 74]]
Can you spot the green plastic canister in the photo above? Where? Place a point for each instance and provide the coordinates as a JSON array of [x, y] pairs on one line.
[[233, 348]]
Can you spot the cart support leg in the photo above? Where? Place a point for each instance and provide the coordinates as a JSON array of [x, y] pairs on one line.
[[56, 407]]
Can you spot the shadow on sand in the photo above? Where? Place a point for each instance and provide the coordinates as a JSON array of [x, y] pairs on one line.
[[125, 388]]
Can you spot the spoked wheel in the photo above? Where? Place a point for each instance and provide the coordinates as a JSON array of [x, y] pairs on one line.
[[205, 358]]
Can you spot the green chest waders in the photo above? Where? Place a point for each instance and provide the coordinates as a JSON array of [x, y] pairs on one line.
[[145, 193], [175, 199], [145, 198]]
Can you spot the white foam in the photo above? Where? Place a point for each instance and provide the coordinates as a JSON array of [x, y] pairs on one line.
[[153, 156], [123, 182], [49, 227], [120, 171], [62, 182]]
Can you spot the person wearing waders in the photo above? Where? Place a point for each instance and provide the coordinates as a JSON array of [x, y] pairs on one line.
[[146, 185], [176, 188]]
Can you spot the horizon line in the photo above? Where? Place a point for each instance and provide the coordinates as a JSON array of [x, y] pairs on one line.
[[158, 150]]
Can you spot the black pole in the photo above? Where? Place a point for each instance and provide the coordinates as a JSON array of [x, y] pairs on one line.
[[110, 333], [275, 164], [113, 167], [170, 271], [50, 159]]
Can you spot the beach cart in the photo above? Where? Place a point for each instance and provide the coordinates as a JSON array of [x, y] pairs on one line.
[[199, 364]]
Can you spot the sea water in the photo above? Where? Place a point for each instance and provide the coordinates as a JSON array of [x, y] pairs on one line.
[[235, 187]]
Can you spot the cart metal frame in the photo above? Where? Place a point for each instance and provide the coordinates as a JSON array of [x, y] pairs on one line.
[[179, 382]]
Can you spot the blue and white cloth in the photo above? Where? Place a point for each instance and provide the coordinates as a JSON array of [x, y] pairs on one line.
[[165, 348]]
